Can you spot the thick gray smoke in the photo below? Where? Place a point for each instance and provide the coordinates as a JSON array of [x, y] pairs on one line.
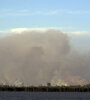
[[36, 57]]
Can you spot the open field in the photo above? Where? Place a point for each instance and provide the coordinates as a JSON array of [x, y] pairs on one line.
[[44, 96]]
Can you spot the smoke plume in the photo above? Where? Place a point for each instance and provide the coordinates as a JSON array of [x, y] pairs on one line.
[[37, 57]]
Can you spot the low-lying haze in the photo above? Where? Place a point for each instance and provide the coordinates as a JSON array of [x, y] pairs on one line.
[[36, 57]]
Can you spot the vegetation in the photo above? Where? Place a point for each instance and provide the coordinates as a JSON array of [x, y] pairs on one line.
[[85, 88]]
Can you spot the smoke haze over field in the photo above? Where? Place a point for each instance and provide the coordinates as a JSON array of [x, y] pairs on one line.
[[37, 57]]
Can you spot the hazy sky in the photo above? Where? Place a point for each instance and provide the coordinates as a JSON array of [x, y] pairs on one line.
[[51, 30], [70, 16]]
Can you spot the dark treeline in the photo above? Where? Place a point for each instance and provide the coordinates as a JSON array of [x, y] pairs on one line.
[[85, 88]]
